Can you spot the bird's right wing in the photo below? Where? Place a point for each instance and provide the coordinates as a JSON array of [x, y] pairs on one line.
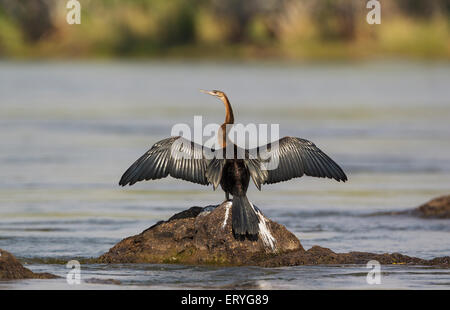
[[295, 157], [174, 156]]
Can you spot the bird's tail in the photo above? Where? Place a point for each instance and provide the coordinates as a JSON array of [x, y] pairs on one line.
[[244, 218]]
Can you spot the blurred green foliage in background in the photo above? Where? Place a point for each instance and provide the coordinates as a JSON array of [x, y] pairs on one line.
[[272, 29]]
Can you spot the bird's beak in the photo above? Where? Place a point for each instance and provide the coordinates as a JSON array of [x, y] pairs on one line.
[[207, 92]]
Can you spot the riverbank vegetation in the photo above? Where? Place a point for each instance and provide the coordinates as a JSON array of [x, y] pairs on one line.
[[225, 29]]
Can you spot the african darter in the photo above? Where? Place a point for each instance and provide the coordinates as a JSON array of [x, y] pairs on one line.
[[295, 157]]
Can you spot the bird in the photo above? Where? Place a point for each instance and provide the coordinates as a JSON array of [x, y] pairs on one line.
[[183, 159]]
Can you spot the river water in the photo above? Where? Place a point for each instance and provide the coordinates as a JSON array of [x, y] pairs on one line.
[[69, 130]]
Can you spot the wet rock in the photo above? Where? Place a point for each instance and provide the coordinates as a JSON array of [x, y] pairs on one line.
[[435, 208], [11, 268], [103, 281], [202, 236], [318, 256]]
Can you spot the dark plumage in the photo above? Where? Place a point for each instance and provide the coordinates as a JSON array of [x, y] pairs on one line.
[[158, 163], [186, 160]]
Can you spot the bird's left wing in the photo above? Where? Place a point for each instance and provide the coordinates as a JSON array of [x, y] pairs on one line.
[[174, 156]]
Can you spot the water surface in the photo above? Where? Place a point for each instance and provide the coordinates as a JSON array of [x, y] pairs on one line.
[[69, 130]]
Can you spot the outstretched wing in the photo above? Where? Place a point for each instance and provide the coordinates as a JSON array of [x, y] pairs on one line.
[[296, 157], [174, 156]]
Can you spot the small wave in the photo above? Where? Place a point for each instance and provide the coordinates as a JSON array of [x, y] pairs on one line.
[[55, 260], [44, 229], [314, 214]]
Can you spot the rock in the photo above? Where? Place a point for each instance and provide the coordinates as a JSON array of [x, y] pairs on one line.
[[200, 236], [435, 208], [204, 236], [11, 268], [318, 256], [103, 281]]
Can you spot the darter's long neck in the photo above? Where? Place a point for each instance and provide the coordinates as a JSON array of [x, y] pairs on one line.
[[229, 119]]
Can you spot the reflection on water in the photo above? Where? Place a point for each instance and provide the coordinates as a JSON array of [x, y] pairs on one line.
[[69, 130]]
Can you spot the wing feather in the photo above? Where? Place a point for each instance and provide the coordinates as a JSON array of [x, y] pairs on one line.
[[297, 157], [174, 156]]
